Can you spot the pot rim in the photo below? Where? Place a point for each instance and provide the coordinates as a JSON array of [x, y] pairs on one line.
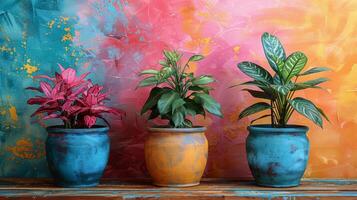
[[61, 129], [292, 128], [161, 129]]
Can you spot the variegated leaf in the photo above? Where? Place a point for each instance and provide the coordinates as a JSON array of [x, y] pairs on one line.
[[315, 70], [310, 84], [273, 50], [283, 89], [257, 107], [255, 71], [307, 109], [293, 65]]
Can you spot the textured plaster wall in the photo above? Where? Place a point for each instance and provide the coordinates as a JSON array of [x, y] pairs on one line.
[[115, 39]]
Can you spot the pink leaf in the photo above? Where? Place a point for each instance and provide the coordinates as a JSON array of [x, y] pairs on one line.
[[61, 67], [51, 116], [46, 88], [89, 120], [69, 75], [37, 100], [34, 88], [44, 76]]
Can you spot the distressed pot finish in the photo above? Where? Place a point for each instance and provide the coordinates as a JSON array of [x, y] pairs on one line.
[[77, 157], [277, 157], [176, 157]]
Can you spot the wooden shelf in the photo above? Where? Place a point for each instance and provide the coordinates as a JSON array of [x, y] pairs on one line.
[[209, 189]]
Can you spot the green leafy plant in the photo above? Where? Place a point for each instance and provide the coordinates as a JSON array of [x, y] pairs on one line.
[[181, 94], [279, 90]]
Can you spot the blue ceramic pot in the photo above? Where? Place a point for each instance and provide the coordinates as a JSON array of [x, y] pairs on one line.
[[77, 157], [277, 157]]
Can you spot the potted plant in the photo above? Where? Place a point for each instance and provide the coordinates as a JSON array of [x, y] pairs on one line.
[[277, 153], [176, 154], [77, 151]]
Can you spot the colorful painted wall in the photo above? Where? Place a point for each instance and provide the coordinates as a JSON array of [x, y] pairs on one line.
[[115, 39]]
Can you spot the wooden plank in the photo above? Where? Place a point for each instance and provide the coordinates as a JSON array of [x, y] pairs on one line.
[[209, 189]]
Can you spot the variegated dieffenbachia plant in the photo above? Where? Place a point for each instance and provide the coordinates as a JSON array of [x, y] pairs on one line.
[[176, 93], [278, 90]]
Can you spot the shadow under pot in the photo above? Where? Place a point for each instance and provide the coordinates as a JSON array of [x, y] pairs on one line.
[[77, 157], [277, 157], [176, 157]]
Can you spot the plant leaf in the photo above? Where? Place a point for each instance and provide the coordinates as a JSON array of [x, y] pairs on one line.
[[178, 117], [177, 104], [148, 71], [192, 108], [323, 114], [255, 71], [165, 102], [151, 80], [258, 94], [261, 117], [315, 70], [293, 65], [257, 107], [202, 80], [273, 50], [310, 84], [283, 89], [153, 98], [209, 104], [307, 109], [195, 58]]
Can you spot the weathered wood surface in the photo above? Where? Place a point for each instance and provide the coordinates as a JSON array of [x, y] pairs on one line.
[[27, 189]]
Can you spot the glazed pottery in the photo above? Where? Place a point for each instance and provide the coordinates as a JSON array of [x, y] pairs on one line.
[[176, 157], [277, 157], [77, 157]]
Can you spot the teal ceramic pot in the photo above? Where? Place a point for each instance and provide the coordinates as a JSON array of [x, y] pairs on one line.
[[277, 157], [77, 157]]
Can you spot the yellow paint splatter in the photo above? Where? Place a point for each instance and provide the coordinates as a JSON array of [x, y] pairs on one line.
[[67, 37], [51, 23], [13, 113], [25, 149], [30, 68]]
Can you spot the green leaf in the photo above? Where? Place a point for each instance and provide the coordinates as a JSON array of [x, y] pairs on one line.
[[154, 112], [202, 80], [255, 71], [264, 116], [310, 84], [293, 65], [200, 88], [307, 109], [323, 114], [151, 80], [258, 94], [148, 71], [195, 58], [192, 108], [273, 50], [257, 107], [283, 89], [178, 117], [153, 98], [209, 104], [165, 102], [314, 70], [177, 104]]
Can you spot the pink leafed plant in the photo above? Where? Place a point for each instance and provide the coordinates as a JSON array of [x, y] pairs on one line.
[[74, 100]]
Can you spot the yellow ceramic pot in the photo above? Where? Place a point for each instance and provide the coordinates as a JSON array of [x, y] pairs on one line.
[[176, 157]]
